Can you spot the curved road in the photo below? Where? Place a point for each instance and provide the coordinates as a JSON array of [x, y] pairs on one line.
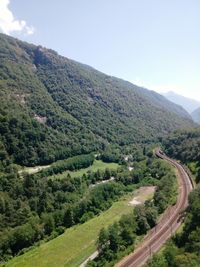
[[167, 225]]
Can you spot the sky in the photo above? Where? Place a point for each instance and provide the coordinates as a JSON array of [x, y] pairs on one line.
[[151, 43]]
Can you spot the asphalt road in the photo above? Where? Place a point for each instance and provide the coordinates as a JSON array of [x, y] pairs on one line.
[[169, 223]]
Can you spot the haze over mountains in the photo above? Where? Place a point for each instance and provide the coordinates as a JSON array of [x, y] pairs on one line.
[[187, 103], [196, 115], [192, 106], [53, 107]]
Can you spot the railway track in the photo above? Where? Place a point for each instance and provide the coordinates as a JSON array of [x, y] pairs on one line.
[[169, 223]]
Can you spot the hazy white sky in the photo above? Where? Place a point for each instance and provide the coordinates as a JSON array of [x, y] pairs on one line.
[[151, 43]]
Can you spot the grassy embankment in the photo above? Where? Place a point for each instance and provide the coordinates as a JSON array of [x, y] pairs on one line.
[[75, 245], [78, 242]]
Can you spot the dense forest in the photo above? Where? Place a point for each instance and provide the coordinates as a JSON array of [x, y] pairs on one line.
[[54, 108], [184, 146]]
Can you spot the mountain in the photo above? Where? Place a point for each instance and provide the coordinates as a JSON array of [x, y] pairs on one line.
[[196, 115], [188, 104], [53, 107]]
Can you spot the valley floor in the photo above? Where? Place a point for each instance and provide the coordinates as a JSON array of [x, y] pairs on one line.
[[78, 242]]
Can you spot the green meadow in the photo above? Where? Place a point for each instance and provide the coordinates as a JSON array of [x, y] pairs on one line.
[[75, 245], [97, 165]]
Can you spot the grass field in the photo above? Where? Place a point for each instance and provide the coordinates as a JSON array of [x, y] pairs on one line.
[[75, 245], [97, 165]]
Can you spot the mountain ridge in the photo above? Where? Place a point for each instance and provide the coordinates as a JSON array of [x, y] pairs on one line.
[[54, 107]]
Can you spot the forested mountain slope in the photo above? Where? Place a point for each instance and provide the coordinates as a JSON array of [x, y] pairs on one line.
[[184, 145], [52, 107]]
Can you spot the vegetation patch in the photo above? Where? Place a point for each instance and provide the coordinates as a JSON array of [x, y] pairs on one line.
[[142, 194]]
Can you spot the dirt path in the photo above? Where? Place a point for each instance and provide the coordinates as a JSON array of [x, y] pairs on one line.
[[142, 194], [92, 257], [32, 170], [103, 182]]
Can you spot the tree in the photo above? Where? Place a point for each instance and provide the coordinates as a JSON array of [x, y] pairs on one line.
[[114, 237], [107, 174], [49, 223], [170, 254], [158, 261], [103, 241], [68, 219], [141, 219], [151, 215], [23, 236], [128, 228]]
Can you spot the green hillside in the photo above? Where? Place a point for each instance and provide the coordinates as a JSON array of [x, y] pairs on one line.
[[53, 108]]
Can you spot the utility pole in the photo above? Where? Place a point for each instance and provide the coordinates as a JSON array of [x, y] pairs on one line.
[[171, 228], [155, 228], [150, 251], [169, 212]]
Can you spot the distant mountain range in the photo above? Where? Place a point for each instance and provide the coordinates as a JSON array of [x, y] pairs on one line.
[[53, 107], [187, 103], [196, 115], [192, 106]]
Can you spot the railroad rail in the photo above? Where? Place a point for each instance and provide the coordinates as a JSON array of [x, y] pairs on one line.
[[169, 223]]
